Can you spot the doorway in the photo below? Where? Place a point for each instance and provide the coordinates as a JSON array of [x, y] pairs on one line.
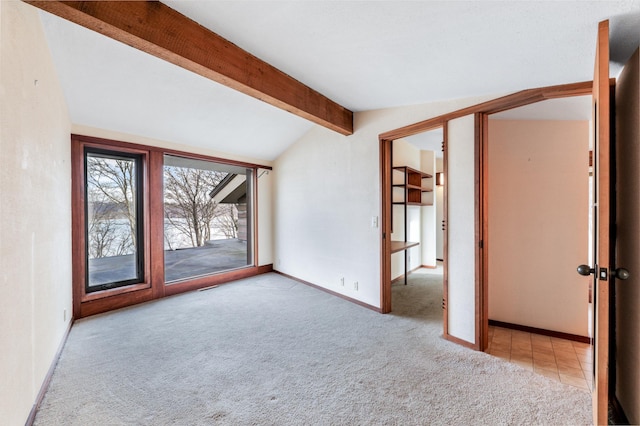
[[417, 199], [537, 192], [413, 207]]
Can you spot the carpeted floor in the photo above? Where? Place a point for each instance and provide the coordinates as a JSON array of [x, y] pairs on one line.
[[272, 351]]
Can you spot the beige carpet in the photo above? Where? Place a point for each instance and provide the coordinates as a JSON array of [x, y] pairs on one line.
[[271, 351]]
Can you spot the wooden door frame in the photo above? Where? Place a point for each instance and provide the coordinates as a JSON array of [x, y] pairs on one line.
[[481, 111]]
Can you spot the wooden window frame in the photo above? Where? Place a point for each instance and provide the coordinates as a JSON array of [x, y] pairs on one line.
[[141, 198], [153, 285]]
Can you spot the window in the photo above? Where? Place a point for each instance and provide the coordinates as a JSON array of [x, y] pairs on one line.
[[149, 222], [114, 236], [207, 217]]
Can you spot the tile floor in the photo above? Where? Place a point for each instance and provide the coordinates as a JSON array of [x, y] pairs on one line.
[[563, 360]]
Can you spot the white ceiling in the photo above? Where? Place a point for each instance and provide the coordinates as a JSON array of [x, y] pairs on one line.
[[362, 54], [428, 141], [574, 108]]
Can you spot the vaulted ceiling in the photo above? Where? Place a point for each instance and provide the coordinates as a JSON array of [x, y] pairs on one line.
[[361, 54]]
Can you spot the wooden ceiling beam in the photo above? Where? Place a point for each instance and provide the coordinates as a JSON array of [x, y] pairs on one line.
[[161, 31]]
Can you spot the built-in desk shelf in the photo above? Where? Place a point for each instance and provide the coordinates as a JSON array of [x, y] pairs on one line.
[[397, 246]]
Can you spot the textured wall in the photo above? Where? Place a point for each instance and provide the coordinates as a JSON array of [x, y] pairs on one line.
[[35, 211], [461, 246], [327, 189], [428, 213], [538, 223]]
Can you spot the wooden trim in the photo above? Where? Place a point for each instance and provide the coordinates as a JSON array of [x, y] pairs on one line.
[[158, 30], [111, 303], [385, 225], [265, 269], [331, 292], [459, 341], [47, 378], [214, 279], [135, 148], [121, 301], [429, 266], [445, 233], [541, 331], [480, 342], [156, 223], [254, 217], [78, 264], [514, 100], [88, 297], [484, 224]]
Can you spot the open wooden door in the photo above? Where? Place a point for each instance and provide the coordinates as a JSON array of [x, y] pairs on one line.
[[603, 246], [603, 253]]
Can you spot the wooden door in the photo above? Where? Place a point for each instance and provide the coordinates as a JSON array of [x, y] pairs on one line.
[[603, 259]]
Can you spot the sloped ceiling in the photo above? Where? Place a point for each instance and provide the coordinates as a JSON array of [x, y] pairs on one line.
[[362, 54]]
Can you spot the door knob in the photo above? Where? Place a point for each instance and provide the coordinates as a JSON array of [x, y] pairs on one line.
[[585, 270], [621, 274]]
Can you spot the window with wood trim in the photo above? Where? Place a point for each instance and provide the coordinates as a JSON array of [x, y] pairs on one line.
[[207, 217], [149, 222], [114, 237]]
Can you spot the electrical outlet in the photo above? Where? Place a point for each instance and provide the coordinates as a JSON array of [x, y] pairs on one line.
[[355, 285], [64, 315], [342, 282]]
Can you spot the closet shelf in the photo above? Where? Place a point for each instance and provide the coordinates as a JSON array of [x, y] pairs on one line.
[[413, 186], [413, 189]]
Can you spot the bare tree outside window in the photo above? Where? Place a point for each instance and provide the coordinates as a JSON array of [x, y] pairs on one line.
[[112, 206], [112, 203], [205, 224], [227, 220], [188, 206]]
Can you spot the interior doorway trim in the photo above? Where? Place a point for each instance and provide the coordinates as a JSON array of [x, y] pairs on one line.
[[481, 111]]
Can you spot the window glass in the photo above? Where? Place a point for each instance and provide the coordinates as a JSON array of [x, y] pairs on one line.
[[207, 220], [113, 210]]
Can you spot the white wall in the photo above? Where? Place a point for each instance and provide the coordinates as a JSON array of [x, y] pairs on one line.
[[461, 225], [628, 244], [428, 213], [35, 211], [538, 223], [265, 217], [327, 189]]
